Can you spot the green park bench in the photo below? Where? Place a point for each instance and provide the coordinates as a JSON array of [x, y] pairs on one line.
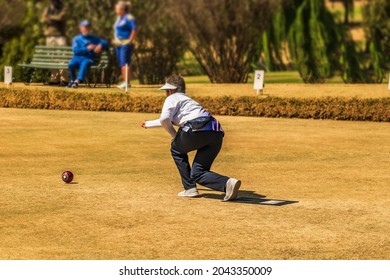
[[48, 58]]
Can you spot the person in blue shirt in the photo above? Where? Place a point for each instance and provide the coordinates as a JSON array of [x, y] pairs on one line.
[[125, 33], [85, 49]]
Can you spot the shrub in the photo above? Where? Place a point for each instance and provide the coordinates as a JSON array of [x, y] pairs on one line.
[[223, 34], [335, 108]]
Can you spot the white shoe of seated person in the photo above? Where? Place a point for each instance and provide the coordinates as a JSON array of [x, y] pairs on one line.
[[189, 193]]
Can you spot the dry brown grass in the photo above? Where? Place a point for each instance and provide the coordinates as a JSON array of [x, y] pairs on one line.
[[125, 206]]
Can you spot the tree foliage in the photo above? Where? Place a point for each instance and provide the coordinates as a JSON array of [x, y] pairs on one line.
[[159, 42], [350, 62], [223, 34], [273, 44], [313, 40], [368, 64], [158, 47], [19, 48], [11, 17], [377, 24], [348, 10], [227, 37]]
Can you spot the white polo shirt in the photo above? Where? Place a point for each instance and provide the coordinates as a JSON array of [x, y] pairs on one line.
[[178, 109]]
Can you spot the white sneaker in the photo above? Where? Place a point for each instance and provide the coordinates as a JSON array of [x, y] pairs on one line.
[[189, 193], [232, 187], [123, 86]]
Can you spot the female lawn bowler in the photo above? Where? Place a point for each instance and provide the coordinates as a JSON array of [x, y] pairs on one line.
[[198, 131]]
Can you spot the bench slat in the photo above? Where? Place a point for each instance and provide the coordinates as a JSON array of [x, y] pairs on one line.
[[62, 56], [49, 66], [50, 59], [53, 53], [49, 62], [58, 57], [40, 47], [104, 56], [44, 66], [57, 61]]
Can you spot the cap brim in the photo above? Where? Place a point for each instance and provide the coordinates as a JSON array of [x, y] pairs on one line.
[[168, 86]]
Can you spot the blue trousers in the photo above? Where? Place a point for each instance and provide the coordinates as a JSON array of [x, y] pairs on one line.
[[123, 54], [207, 144], [79, 63]]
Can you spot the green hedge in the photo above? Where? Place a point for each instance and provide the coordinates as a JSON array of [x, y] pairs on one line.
[[335, 108]]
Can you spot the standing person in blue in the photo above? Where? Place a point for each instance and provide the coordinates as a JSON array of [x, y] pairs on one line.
[[125, 33], [198, 131], [85, 49]]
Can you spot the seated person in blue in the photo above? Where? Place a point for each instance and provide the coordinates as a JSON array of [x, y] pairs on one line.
[[85, 48]]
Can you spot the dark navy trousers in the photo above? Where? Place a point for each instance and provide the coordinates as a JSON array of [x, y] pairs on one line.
[[207, 144]]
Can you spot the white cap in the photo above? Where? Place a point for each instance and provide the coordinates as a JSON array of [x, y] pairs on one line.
[[168, 86]]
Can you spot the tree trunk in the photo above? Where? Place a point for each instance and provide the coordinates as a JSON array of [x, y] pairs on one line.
[[347, 8]]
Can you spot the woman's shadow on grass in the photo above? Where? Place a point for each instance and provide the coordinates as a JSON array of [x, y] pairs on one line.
[[250, 197]]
